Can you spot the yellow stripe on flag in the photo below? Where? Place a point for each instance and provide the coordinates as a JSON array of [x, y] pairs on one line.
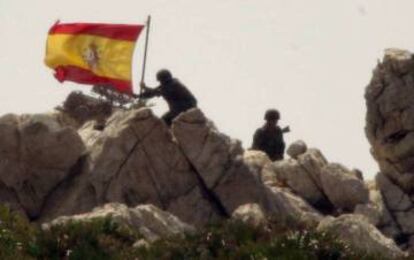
[[113, 57]]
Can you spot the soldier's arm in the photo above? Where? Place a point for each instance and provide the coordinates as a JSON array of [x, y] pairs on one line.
[[149, 92], [286, 129]]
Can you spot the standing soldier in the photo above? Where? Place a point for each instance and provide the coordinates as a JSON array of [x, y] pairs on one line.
[[177, 96], [269, 138]]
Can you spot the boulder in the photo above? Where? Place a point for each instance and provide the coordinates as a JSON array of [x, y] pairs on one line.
[[342, 187], [296, 148], [287, 206], [356, 231], [37, 154], [251, 214], [261, 167], [291, 173], [209, 151], [218, 162], [313, 162], [151, 222], [302, 176], [258, 162]]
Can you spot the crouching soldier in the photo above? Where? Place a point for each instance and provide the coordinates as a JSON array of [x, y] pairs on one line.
[[177, 96], [269, 138]]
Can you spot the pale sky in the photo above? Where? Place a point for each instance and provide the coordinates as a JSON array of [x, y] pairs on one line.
[[309, 59]]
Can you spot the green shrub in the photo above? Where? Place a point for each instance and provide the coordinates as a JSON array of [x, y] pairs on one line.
[[16, 234], [102, 238], [236, 240]]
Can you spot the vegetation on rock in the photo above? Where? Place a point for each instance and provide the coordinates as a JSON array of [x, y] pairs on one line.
[[102, 238]]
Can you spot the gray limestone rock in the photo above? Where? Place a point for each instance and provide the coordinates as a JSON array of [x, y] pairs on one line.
[[296, 177], [218, 162], [151, 222], [342, 187], [134, 160], [36, 155], [251, 214], [296, 148], [394, 196], [361, 235], [390, 116]]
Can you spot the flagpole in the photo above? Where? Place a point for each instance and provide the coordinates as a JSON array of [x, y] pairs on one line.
[[145, 52]]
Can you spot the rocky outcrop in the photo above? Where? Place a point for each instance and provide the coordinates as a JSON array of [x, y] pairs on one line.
[[151, 222], [390, 117], [63, 164], [284, 203], [356, 231], [134, 160], [218, 163], [36, 154], [326, 186], [389, 128], [233, 177], [194, 171]]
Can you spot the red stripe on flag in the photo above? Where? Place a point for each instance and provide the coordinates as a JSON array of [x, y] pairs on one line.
[[84, 76], [115, 31]]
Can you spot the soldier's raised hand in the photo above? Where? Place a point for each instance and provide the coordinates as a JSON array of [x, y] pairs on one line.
[[286, 129]]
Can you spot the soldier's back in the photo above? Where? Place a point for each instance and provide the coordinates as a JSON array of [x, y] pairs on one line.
[[269, 139], [178, 97]]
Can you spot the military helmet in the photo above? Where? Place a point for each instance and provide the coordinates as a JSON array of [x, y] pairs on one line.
[[164, 75], [272, 114]]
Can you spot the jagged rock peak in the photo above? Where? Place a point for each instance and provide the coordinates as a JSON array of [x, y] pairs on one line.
[[390, 116], [390, 131]]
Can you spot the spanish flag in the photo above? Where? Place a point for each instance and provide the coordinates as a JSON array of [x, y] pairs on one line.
[[93, 53]]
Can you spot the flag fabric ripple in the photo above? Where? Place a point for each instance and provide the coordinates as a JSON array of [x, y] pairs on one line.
[[93, 53]]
